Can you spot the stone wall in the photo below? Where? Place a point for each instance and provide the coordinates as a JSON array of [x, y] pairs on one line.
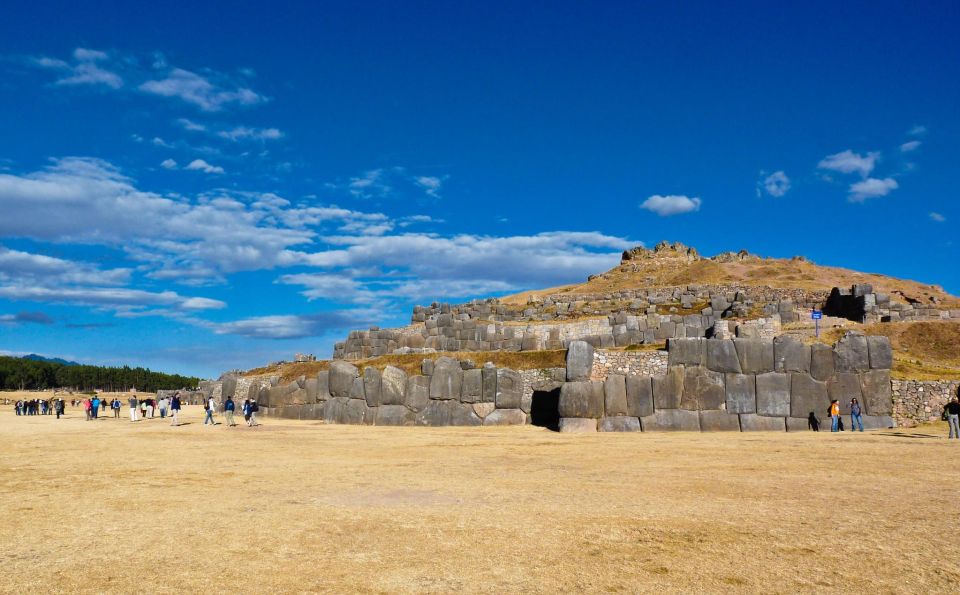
[[920, 401], [861, 304], [628, 363]]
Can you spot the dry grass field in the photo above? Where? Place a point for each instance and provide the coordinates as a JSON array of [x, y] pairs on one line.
[[293, 506]]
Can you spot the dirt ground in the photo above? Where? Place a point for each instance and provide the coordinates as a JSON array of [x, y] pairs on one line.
[[295, 506]]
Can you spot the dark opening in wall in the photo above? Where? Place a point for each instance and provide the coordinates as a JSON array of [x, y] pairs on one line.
[[545, 409]]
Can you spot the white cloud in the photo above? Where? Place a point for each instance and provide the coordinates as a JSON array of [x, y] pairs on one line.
[[391, 182], [937, 217], [168, 164], [84, 70], [201, 165], [430, 184], [191, 125], [666, 206], [872, 188], [849, 162], [244, 133], [918, 130], [159, 142], [776, 184], [288, 326], [109, 297], [38, 269], [200, 91], [909, 146]]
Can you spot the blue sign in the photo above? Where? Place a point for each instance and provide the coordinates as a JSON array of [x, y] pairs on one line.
[[816, 315]]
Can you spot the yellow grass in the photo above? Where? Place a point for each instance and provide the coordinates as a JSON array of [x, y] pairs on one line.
[[113, 506], [926, 350]]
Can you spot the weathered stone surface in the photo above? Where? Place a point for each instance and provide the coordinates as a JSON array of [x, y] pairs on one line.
[[577, 425], [310, 388], [721, 356], [806, 395], [881, 353], [471, 390], [719, 421], [852, 353], [668, 389], [876, 422], [509, 389], [821, 361], [755, 355], [394, 415], [790, 355], [671, 420], [799, 424], [579, 361], [314, 411], [615, 395], [489, 378], [229, 388], [447, 413], [619, 424], [393, 384], [843, 387], [759, 423], [356, 391], [277, 396], [355, 412], [446, 379], [581, 399], [417, 392], [685, 351], [702, 389], [877, 396], [333, 412], [483, 409], [342, 376], [639, 396], [741, 393], [297, 397], [773, 394], [505, 417], [371, 386]]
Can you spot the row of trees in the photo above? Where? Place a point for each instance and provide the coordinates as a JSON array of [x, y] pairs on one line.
[[25, 374]]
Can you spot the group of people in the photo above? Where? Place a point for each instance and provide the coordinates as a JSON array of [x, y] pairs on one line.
[[39, 407], [249, 410], [836, 422]]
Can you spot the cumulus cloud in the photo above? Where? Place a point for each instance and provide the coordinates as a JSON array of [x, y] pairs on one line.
[[247, 133], [847, 162], [168, 164], [937, 217], [430, 184], [201, 165], [776, 184], [200, 91], [872, 188], [666, 206], [909, 146]]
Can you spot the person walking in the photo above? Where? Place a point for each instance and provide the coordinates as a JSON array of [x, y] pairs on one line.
[[133, 407], [856, 419], [86, 409], [164, 405], [952, 409], [115, 405], [58, 407], [208, 406], [175, 410], [813, 423], [150, 408], [95, 407], [246, 411], [834, 416], [228, 407], [253, 413]]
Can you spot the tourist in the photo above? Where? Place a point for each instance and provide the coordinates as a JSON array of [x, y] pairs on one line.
[[133, 407], [86, 408], [175, 410], [103, 405], [208, 407], [834, 416], [115, 405], [143, 409], [18, 407], [164, 405], [58, 405], [952, 409], [246, 411], [813, 423], [228, 408], [253, 413], [150, 408], [94, 406], [856, 419]]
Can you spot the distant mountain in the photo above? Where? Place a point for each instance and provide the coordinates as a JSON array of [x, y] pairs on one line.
[[52, 360]]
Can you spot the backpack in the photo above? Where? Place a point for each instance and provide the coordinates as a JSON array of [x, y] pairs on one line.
[[254, 408]]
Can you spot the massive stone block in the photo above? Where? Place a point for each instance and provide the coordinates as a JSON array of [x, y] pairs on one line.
[[639, 396], [741, 393], [843, 387], [394, 415], [719, 421], [447, 413], [881, 353], [875, 422], [579, 361], [417, 392], [668, 389], [821, 361], [877, 394], [790, 355], [685, 352], [489, 378], [806, 395], [471, 390], [310, 388], [852, 353], [755, 355], [671, 420], [509, 389], [581, 399], [773, 394], [446, 380], [615, 395], [355, 412], [393, 384], [577, 425], [333, 411], [342, 376], [371, 386], [721, 356], [505, 417], [229, 387], [798, 424], [758, 423], [702, 389], [619, 424]]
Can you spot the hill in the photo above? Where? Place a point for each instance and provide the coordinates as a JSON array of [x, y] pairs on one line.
[[53, 360]]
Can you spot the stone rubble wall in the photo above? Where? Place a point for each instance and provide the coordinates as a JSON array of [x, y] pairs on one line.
[[628, 363], [861, 304], [921, 401]]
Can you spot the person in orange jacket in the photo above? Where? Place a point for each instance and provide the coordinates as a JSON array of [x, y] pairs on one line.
[[834, 415]]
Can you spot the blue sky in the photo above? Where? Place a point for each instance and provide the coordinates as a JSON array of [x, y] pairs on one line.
[[202, 186]]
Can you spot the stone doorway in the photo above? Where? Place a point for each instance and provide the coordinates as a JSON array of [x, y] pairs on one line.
[[545, 409]]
